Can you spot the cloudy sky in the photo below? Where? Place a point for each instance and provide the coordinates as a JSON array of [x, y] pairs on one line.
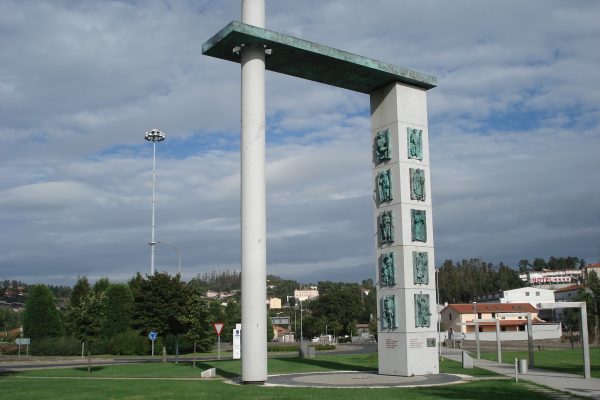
[[514, 131]]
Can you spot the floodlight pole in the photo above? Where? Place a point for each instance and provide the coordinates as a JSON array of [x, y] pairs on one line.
[[153, 136], [253, 201]]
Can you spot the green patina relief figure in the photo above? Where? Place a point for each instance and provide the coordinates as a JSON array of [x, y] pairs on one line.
[[415, 143], [387, 268], [420, 268], [382, 146], [384, 186], [422, 313], [417, 184], [386, 227], [419, 225], [389, 312]]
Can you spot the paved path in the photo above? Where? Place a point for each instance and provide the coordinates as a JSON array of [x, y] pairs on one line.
[[574, 384]]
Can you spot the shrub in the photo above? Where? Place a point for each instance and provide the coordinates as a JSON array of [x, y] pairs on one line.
[[322, 347], [130, 343], [58, 346], [283, 347]]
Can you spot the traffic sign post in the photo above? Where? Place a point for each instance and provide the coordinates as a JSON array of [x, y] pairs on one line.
[[218, 328], [152, 335], [237, 342]]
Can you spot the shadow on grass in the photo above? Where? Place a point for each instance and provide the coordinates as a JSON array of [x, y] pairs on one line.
[[93, 369], [328, 365], [8, 373], [482, 391], [205, 365]]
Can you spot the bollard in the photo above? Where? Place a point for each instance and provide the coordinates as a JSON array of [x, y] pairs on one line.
[[517, 370], [523, 368]]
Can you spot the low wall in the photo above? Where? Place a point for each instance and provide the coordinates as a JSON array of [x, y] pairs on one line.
[[545, 331]]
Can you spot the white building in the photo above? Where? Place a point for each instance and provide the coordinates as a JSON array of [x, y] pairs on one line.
[[458, 318], [306, 294], [552, 278], [531, 295]]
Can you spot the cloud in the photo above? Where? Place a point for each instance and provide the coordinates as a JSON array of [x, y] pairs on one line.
[[514, 128]]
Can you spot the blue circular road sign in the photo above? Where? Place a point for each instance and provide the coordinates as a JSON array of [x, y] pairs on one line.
[[152, 335]]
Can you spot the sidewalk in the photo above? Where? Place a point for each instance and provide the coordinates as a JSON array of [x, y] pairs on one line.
[[574, 384]]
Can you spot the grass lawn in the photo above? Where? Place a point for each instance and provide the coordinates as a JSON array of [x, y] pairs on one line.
[[59, 383], [568, 361]]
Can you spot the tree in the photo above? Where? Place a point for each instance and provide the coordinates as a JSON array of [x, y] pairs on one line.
[[101, 285], [135, 283], [80, 291], [539, 264], [232, 315], [341, 302], [159, 304], [41, 318], [524, 266], [119, 304], [593, 284], [89, 318], [195, 319]]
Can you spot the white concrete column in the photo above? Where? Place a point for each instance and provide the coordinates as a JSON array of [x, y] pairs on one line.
[[253, 202], [253, 12]]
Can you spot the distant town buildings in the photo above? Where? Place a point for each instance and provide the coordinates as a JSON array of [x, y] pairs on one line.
[[306, 294]]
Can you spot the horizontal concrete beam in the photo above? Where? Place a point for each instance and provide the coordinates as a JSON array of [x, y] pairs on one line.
[[303, 59]]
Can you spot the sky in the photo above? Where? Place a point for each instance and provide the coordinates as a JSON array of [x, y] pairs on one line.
[[514, 129]]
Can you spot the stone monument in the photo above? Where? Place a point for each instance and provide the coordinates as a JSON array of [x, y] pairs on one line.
[[404, 231], [404, 242]]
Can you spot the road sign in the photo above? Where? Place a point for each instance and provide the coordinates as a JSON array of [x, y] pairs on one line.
[[152, 335], [23, 341], [218, 327], [237, 343]]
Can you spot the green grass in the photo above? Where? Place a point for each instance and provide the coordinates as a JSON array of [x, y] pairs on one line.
[[567, 361], [58, 383], [232, 368], [21, 389]]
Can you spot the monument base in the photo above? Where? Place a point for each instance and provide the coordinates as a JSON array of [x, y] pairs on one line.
[[408, 354]]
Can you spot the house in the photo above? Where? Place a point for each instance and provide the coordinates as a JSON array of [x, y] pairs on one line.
[[531, 295], [592, 267], [458, 318], [568, 293], [274, 303]]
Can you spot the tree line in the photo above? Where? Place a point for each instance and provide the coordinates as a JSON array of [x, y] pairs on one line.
[[460, 282], [116, 317]]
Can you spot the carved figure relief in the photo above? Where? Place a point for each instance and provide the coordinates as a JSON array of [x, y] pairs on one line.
[[422, 313], [417, 184], [382, 146], [384, 186], [387, 268], [420, 268], [386, 227], [415, 143], [389, 312], [419, 225]]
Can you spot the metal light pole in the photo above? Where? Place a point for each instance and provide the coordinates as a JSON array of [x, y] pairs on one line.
[[301, 335], [437, 304], [153, 136], [476, 325]]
